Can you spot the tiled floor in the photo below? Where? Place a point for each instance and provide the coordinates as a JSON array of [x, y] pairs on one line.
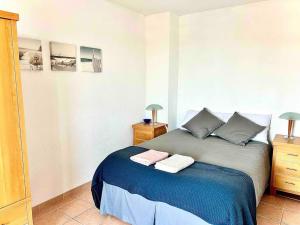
[[278, 211], [75, 209], [78, 209]]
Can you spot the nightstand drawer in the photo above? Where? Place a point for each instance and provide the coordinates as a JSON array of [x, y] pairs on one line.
[[143, 135], [160, 131], [138, 141], [287, 168], [289, 155], [287, 183]]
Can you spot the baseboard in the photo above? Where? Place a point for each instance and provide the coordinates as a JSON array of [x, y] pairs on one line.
[[45, 205]]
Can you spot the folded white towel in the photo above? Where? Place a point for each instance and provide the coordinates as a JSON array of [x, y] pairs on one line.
[[174, 163]]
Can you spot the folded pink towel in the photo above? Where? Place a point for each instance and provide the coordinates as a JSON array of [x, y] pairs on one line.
[[149, 157]]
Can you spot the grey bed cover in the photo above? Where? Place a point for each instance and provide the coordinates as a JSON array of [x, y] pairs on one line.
[[252, 159]]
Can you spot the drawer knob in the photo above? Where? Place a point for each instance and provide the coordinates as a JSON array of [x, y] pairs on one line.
[[290, 183], [294, 155], [291, 169]]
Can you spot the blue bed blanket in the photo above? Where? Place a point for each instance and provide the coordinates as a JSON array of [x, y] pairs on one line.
[[218, 195]]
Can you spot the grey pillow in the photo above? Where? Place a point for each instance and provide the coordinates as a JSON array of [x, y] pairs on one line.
[[239, 130], [203, 124]]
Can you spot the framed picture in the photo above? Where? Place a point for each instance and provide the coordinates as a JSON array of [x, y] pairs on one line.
[[63, 57], [30, 54], [91, 59]]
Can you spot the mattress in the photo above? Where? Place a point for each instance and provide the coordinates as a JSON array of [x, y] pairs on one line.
[[252, 159]]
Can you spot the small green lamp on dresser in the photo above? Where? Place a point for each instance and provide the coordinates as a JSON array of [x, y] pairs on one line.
[[154, 108], [291, 117]]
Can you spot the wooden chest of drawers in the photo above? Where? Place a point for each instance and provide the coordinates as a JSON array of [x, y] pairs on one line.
[[144, 132], [286, 165]]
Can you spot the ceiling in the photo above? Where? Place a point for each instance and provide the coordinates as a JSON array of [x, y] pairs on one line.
[[180, 7]]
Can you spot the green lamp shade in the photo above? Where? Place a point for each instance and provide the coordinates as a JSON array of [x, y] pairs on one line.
[[154, 107], [290, 116]]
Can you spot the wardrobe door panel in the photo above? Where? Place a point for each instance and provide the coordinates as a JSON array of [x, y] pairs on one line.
[[12, 181], [15, 214]]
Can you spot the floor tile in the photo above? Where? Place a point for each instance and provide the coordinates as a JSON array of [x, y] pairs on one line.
[[293, 205], [269, 212], [35, 212], [265, 221], [86, 196], [276, 201], [83, 193], [53, 218], [75, 207], [52, 207], [291, 218], [110, 220], [72, 222], [90, 217]]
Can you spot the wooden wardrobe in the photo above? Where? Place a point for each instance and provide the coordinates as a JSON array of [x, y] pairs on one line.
[[15, 200]]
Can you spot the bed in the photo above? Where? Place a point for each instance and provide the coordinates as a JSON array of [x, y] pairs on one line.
[[224, 186]]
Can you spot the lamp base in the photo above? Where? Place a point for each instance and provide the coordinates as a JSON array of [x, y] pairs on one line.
[[291, 126], [154, 117]]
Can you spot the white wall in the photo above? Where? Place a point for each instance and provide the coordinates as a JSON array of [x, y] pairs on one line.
[[242, 58], [74, 120], [161, 31], [157, 62], [173, 71]]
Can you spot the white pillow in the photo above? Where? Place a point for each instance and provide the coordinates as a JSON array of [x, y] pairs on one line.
[[187, 117], [260, 119], [263, 120]]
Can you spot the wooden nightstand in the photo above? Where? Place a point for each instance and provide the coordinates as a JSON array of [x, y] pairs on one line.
[[286, 165], [144, 132]]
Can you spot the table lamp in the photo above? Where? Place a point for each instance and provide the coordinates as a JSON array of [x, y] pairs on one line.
[[291, 117], [154, 108]]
